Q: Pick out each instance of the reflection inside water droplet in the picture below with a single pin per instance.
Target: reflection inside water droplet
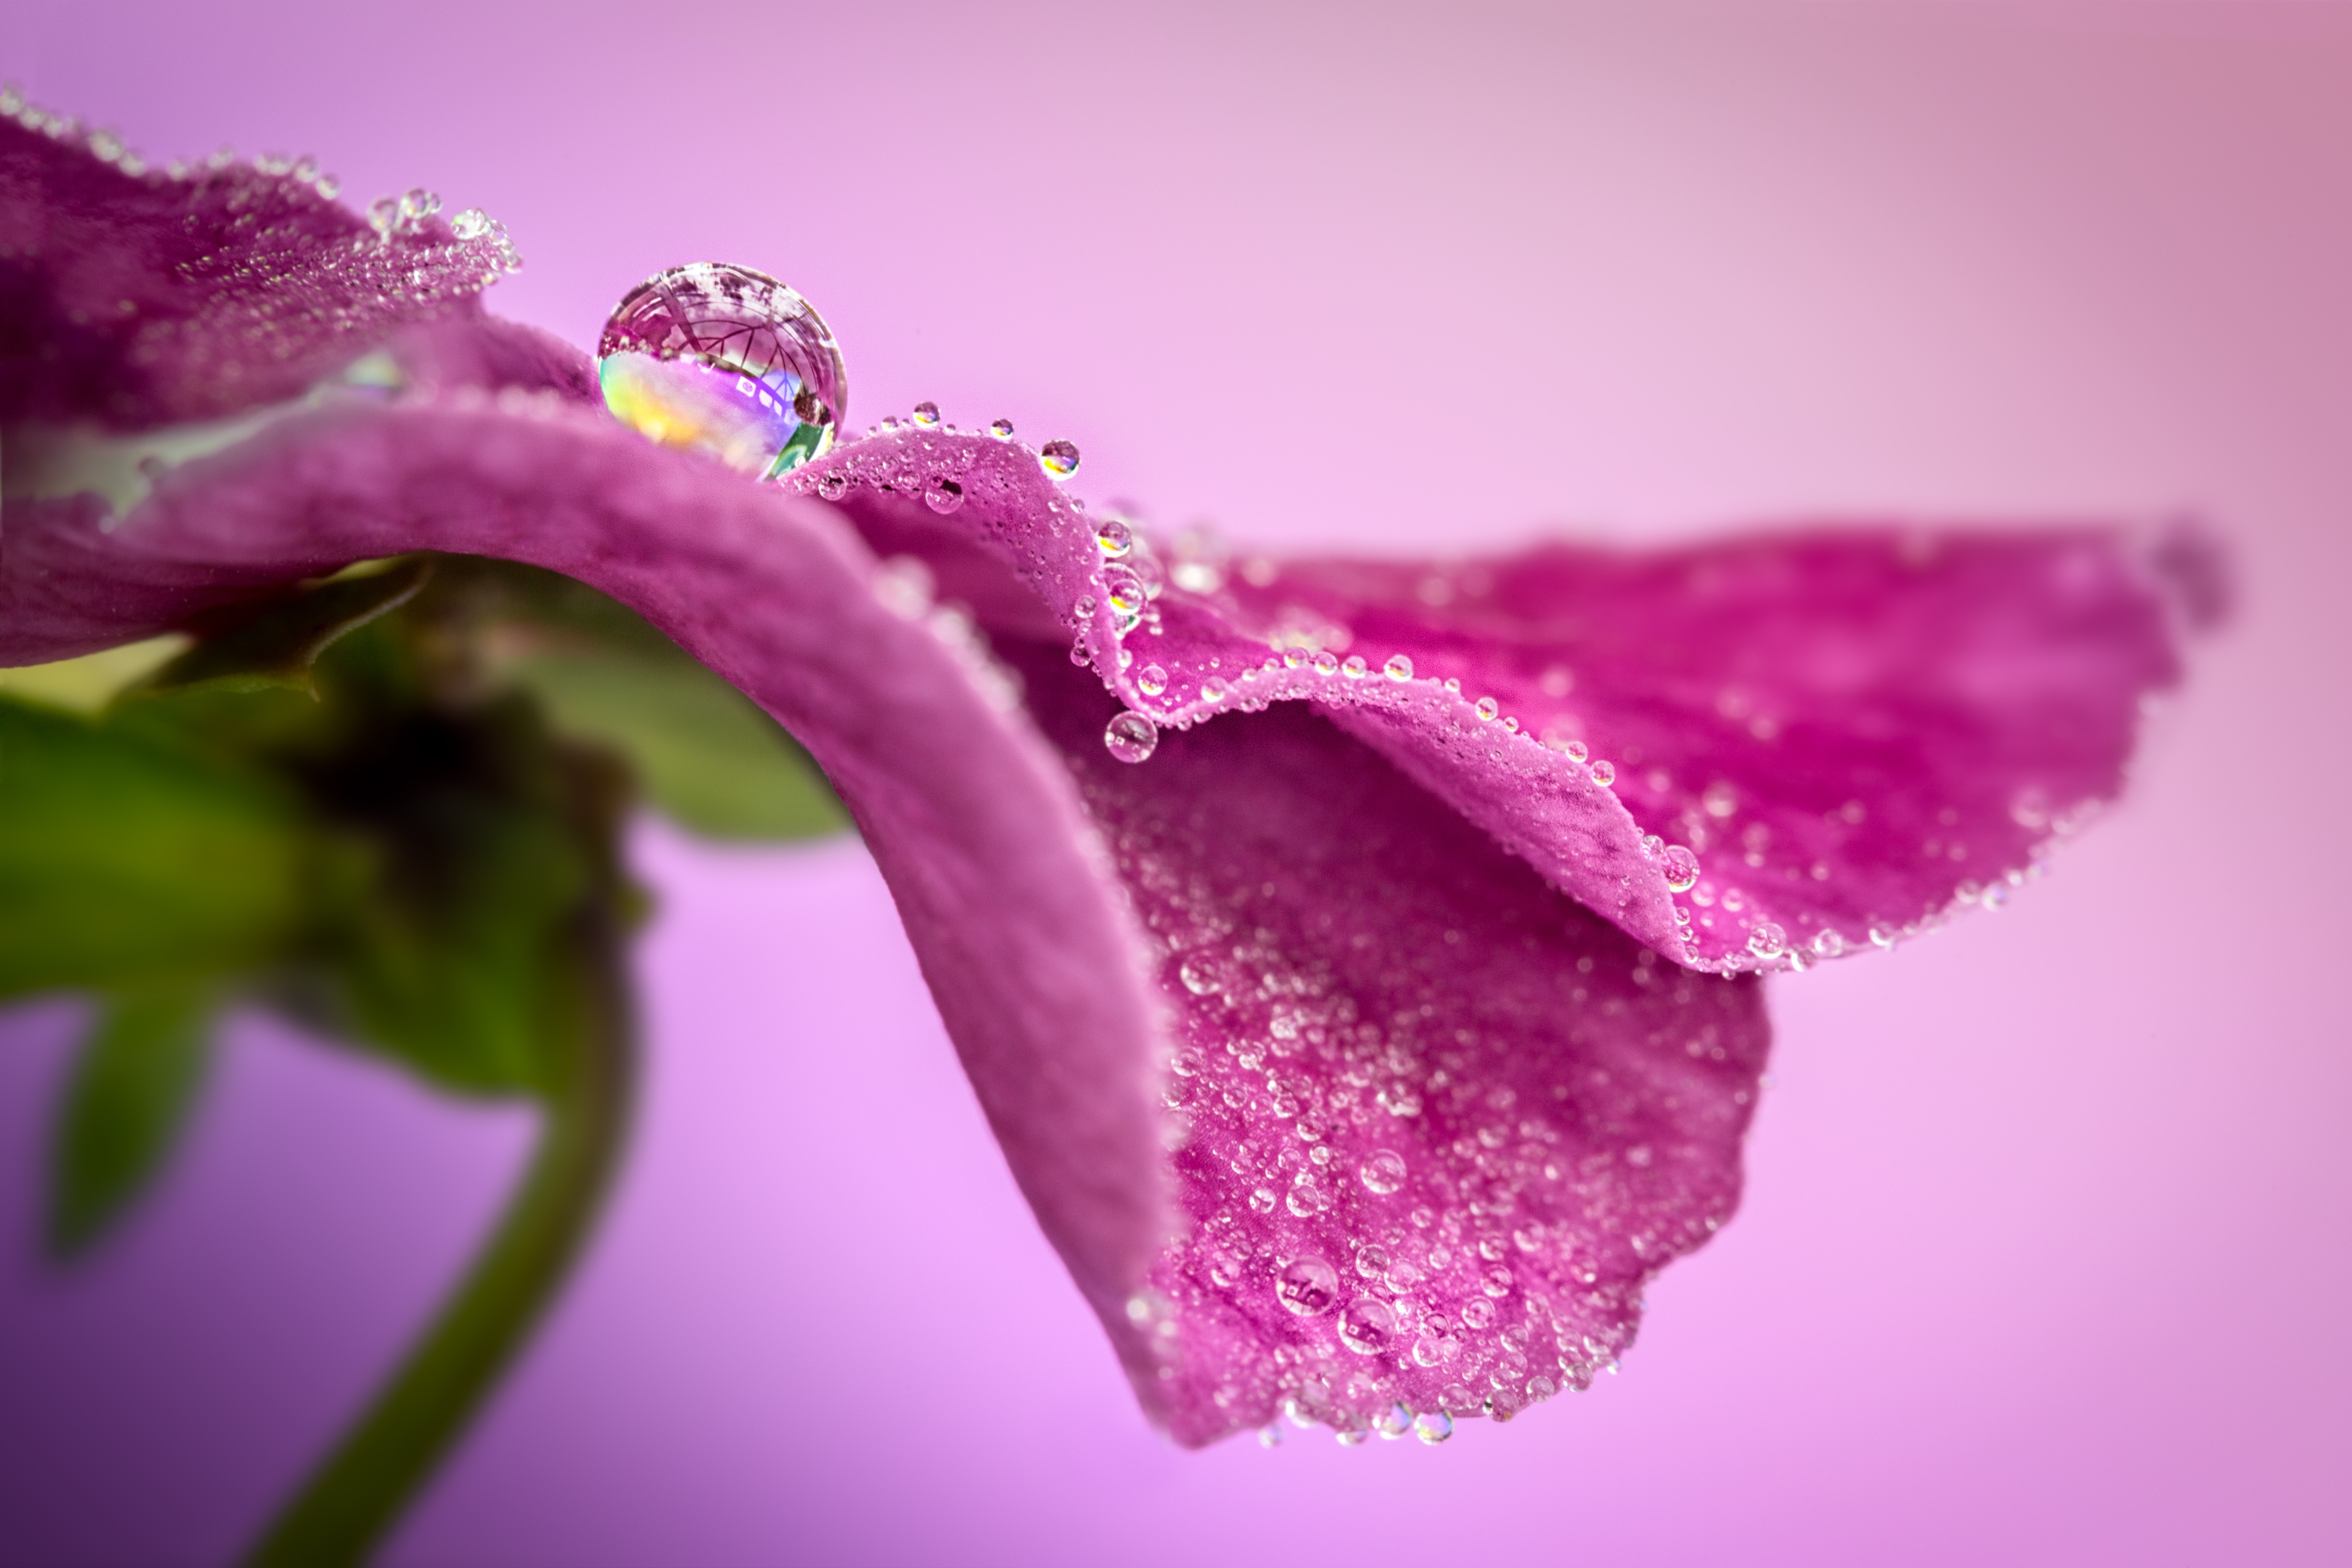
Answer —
(1307, 1285)
(1130, 737)
(1681, 867)
(724, 360)
(1059, 459)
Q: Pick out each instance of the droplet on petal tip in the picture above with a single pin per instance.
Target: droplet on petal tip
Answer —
(1130, 737)
(725, 360)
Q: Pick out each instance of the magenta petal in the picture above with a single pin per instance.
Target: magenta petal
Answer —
(1750, 753)
(1435, 1124)
(131, 297)
(972, 819)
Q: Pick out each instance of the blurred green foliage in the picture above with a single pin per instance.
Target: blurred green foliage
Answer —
(388, 803)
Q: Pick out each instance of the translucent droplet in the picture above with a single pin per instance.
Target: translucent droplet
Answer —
(1262, 1201)
(1767, 940)
(1828, 943)
(1496, 1282)
(1130, 737)
(1398, 667)
(1432, 1426)
(1327, 662)
(1354, 667)
(835, 484)
(1000, 428)
(1604, 773)
(1306, 1286)
(1215, 690)
(1488, 708)
(1307, 1201)
(1372, 1262)
(927, 414)
(1681, 867)
(471, 223)
(1368, 1326)
(1200, 977)
(1151, 681)
(1127, 594)
(1059, 459)
(1114, 537)
(1478, 1313)
(943, 493)
(1383, 1171)
(1270, 1435)
(1575, 751)
(728, 360)
(1394, 1422)
(1882, 935)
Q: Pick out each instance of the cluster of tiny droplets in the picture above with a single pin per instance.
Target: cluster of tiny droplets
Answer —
(284, 278)
(1474, 1292)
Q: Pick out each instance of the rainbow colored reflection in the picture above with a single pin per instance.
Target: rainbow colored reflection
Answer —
(725, 360)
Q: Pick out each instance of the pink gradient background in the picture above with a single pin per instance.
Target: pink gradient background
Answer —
(2044, 1256)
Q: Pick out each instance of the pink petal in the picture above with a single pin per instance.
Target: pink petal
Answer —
(972, 819)
(1850, 733)
(141, 298)
(1415, 1089)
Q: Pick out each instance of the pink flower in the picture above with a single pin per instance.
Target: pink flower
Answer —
(1358, 962)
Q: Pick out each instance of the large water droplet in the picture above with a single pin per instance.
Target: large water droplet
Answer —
(1488, 708)
(1604, 773)
(1394, 1422)
(1368, 1326)
(1309, 1286)
(728, 360)
(927, 414)
(1767, 940)
(1681, 867)
(1432, 1426)
(1399, 667)
(943, 493)
(1127, 594)
(1215, 690)
(1382, 1171)
(1130, 737)
(1114, 537)
(1059, 459)
(1151, 681)
(1000, 428)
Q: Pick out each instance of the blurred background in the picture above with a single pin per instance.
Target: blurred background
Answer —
(2043, 1256)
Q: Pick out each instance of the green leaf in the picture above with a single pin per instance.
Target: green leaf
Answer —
(126, 862)
(88, 684)
(707, 757)
(275, 643)
(128, 1097)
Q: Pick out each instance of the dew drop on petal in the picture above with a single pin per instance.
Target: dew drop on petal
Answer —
(1604, 773)
(1767, 940)
(1382, 1171)
(1368, 1326)
(1059, 459)
(1270, 1435)
(1488, 708)
(1306, 1286)
(1114, 537)
(1354, 667)
(1398, 667)
(927, 414)
(471, 223)
(1394, 1422)
(1262, 1201)
(1215, 690)
(1372, 1262)
(1130, 737)
(1199, 976)
(1000, 428)
(724, 360)
(943, 493)
(1151, 681)
(1681, 867)
(1882, 935)
(1128, 596)
(835, 484)
(1828, 943)
(1327, 662)
(1432, 1426)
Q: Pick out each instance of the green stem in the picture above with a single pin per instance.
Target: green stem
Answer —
(353, 1500)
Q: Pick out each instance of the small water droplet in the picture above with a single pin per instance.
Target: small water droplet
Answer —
(1130, 737)
(1488, 708)
(1114, 537)
(1372, 1261)
(835, 484)
(1354, 667)
(1127, 594)
(1306, 1286)
(1882, 935)
(1327, 662)
(1368, 1326)
(1681, 867)
(1828, 943)
(724, 360)
(1604, 773)
(927, 414)
(1399, 667)
(1383, 1171)
(1215, 690)
(1000, 428)
(943, 493)
(471, 223)
(1151, 681)
(1767, 940)
(1306, 1200)
(1262, 1201)
(1059, 459)
(1200, 977)
(1432, 1426)
(1394, 1422)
